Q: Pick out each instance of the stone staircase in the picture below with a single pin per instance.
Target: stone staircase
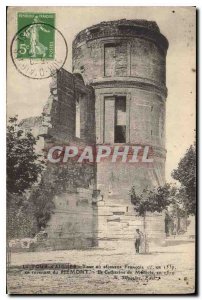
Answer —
(117, 223)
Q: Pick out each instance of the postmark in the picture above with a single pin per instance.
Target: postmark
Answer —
(38, 49)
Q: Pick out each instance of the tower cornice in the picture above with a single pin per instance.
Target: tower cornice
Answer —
(121, 28)
(129, 82)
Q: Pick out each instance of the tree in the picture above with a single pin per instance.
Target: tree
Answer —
(20, 219)
(23, 163)
(186, 175)
(23, 169)
(151, 200)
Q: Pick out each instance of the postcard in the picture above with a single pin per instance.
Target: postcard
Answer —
(101, 150)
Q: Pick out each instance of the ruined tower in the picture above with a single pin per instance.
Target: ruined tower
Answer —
(116, 96)
(125, 62)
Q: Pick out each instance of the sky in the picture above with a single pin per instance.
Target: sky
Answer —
(26, 97)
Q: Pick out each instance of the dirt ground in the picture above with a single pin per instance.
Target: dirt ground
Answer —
(166, 270)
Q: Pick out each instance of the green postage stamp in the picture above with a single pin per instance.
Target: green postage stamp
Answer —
(36, 35)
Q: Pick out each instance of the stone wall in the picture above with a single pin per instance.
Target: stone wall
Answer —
(59, 114)
(118, 222)
(74, 221)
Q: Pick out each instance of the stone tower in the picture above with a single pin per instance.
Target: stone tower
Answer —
(125, 62)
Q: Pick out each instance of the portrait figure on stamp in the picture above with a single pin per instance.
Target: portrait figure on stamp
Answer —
(33, 33)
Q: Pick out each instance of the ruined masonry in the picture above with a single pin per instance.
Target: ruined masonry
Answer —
(115, 96)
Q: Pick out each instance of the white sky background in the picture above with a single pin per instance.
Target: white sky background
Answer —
(26, 97)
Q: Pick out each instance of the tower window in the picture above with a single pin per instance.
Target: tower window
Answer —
(109, 59)
(115, 59)
(115, 119)
(120, 120)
